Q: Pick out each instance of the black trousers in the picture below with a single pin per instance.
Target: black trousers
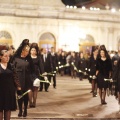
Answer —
(81, 76)
(45, 85)
(24, 100)
(54, 80)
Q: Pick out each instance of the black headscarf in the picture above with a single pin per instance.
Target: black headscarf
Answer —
(20, 48)
(22, 45)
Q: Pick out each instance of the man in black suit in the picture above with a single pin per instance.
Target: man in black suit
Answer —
(54, 64)
(47, 63)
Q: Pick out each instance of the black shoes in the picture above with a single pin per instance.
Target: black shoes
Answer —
(32, 105)
(24, 114)
(20, 114)
(103, 102)
(40, 90)
(80, 79)
(95, 94)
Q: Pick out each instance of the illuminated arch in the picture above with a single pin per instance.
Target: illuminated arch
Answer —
(5, 38)
(87, 43)
(47, 40)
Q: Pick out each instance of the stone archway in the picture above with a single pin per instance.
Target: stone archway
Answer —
(86, 44)
(47, 40)
(5, 38)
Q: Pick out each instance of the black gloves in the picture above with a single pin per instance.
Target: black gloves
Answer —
(19, 92)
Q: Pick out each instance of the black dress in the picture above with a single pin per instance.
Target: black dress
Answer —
(104, 67)
(7, 89)
(38, 66)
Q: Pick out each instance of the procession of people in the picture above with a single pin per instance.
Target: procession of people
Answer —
(29, 69)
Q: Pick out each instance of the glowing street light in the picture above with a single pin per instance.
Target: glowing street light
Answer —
(67, 6)
(83, 8)
(113, 10)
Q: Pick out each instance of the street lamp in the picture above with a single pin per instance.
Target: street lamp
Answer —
(65, 46)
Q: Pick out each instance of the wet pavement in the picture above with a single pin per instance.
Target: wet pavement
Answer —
(71, 100)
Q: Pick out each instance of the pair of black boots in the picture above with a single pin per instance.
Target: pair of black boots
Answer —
(32, 105)
(103, 102)
(22, 113)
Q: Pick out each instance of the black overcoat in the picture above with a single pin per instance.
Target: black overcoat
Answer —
(25, 70)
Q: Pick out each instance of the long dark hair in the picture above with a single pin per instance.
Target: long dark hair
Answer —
(35, 45)
(94, 48)
(102, 47)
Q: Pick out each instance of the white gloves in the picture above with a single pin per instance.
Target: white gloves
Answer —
(36, 82)
(85, 73)
(94, 77)
(46, 79)
(44, 74)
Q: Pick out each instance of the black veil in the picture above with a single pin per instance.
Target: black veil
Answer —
(19, 50)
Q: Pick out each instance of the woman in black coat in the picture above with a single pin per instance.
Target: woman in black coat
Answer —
(92, 70)
(62, 60)
(82, 64)
(73, 64)
(103, 71)
(39, 69)
(9, 83)
(25, 69)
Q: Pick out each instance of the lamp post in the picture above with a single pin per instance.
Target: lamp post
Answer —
(79, 44)
(65, 46)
